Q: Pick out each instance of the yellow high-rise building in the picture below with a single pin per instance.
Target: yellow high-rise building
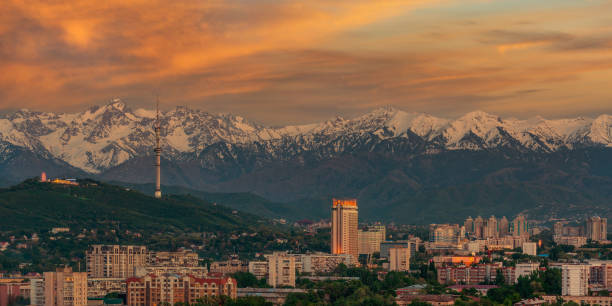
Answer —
(344, 227)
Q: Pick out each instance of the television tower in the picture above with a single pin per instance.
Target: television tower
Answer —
(157, 156)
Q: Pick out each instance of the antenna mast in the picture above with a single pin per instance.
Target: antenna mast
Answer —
(157, 154)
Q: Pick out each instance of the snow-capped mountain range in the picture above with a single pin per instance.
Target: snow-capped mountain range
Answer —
(104, 137)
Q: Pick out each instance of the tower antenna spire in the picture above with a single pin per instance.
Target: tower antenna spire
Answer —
(157, 153)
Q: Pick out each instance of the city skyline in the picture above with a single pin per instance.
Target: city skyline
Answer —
(290, 63)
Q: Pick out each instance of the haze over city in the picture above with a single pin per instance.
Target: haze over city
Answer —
(281, 63)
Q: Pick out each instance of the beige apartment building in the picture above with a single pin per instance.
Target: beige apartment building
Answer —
(399, 259)
(281, 270)
(597, 229)
(369, 239)
(115, 261)
(344, 227)
(65, 288)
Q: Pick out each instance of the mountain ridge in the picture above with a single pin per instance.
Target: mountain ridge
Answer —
(103, 137)
(401, 166)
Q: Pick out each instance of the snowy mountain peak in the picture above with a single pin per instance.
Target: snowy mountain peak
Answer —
(105, 136)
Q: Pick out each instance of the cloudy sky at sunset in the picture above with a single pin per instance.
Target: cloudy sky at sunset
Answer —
(280, 62)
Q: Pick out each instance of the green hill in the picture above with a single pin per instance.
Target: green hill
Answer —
(242, 201)
(37, 206)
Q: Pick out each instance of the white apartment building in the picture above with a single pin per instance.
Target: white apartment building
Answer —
(575, 280)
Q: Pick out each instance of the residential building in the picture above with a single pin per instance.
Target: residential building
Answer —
(504, 226)
(344, 227)
(576, 241)
(446, 234)
(530, 248)
(115, 261)
(491, 229)
(281, 270)
(433, 299)
(276, 296)
(369, 239)
(524, 269)
(600, 273)
(65, 288)
(181, 258)
(575, 280)
(597, 229)
(199, 271)
(37, 292)
(399, 259)
(440, 261)
(174, 288)
(321, 262)
(519, 227)
(259, 269)
(468, 224)
(100, 287)
(580, 300)
(230, 266)
(10, 291)
(386, 245)
(469, 275)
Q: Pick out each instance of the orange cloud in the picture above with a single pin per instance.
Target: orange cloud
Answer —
(318, 56)
(502, 49)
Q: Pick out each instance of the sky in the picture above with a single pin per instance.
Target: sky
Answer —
(288, 62)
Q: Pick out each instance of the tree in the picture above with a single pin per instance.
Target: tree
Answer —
(499, 278)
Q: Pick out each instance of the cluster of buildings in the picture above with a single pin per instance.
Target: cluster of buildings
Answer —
(145, 277)
(348, 239)
(594, 229)
(478, 234)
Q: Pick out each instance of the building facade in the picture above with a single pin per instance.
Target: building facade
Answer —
(65, 288)
(530, 248)
(173, 288)
(115, 261)
(344, 227)
(575, 280)
(597, 229)
(399, 259)
(369, 239)
(230, 266)
(37, 291)
(281, 270)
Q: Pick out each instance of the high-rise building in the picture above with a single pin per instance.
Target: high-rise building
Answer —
(281, 270)
(445, 234)
(37, 292)
(469, 225)
(65, 288)
(491, 229)
(597, 229)
(115, 260)
(171, 289)
(519, 227)
(479, 227)
(370, 238)
(344, 227)
(575, 280)
(503, 227)
(399, 259)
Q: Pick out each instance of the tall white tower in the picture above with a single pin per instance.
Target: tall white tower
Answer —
(157, 156)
